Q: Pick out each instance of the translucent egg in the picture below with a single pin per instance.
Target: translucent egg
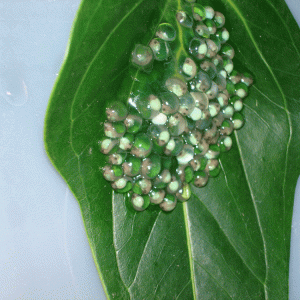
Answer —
(126, 141)
(114, 130)
(174, 146)
(142, 186)
(220, 82)
(226, 127)
(186, 104)
(112, 172)
(157, 196)
(227, 50)
(184, 19)
(161, 180)
(151, 166)
(213, 92)
(132, 166)
(202, 31)
(108, 146)
(122, 185)
(160, 133)
(208, 67)
(133, 123)
(202, 82)
(140, 203)
(184, 193)
(189, 68)
(218, 62)
(142, 57)
(225, 143)
(213, 168)
(166, 32)
(142, 145)
(198, 48)
(116, 111)
(174, 185)
(241, 90)
(185, 173)
(148, 106)
(186, 155)
(222, 99)
(169, 203)
(176, 124)
(235, 77)
(219, 19)
(212, 28)
(200, 179)
(170, 103)
(205, 121)
(116, 158)
(210, 132)
(238, 120)
(228, 111)
(213, 152)
(247, 79)
(160, 49)
(200, 99)
(218, 119)
(214, 108)
(202, 147)
(212, 48)
(193, 137)
(228, 64)
(209, 12)
(222, 35)
(176, 86)
(199, 13)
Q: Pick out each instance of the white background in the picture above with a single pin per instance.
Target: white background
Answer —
(44, 253)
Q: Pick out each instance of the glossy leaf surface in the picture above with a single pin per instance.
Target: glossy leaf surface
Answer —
(232, 239)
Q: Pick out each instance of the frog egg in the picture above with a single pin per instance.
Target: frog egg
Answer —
(159, 133)
(108, 146)
(213, 152)
(241, 90)
(185, 173)
(201, 83)
(212, 28)
(199, 13)
(142, 145)
(200, 99)
(235, 77)
(160, 119)
(202, 31)
(212, 48)
(222, 99)
(176, 86)
(202, 147)
(218, 62)
(174, 146)
(210, 132)
(222, 35)
(228, 64)
(122, 185)
(226, 127)
(228, 111)
(220, 82)
(176, 124)
(142, 57)
(170, 103)
(149, 106)
(139, 202)
(227, 50)
(198, 48)
(247, 79)
(205, 121)
(112, 172)
(132, 166)
(156, 196)
(151, 166)
(186, 104)
(230, 87)
(225, 143)
(189, 68)
(184, 19)
(208, 67)
(219, 19)
(210, 13)
(238, 105)
(218, 119)
(184, 193)
(117, 158)
(214, 108)
(160, 49)
(213, 168)
(169, 203)
(142, 186)
(212, 93)
(198, 163)
(166, 32)
(114, 130)
(186, 155)
(126, 141)
(174, 185)
(161, 180)
(196, 114)
(133, 123)
(238, 120)
(193, 137)
(116, 111)
(200, 179)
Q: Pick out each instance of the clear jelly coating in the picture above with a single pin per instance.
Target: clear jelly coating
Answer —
(165, 144)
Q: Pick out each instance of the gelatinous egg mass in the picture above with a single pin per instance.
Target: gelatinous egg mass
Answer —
(167, 142)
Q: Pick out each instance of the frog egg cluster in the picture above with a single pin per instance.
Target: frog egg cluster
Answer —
(162, 143)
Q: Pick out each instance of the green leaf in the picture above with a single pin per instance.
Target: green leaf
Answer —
(232, 239)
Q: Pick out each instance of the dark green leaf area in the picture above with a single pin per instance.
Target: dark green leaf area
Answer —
(231, 240)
